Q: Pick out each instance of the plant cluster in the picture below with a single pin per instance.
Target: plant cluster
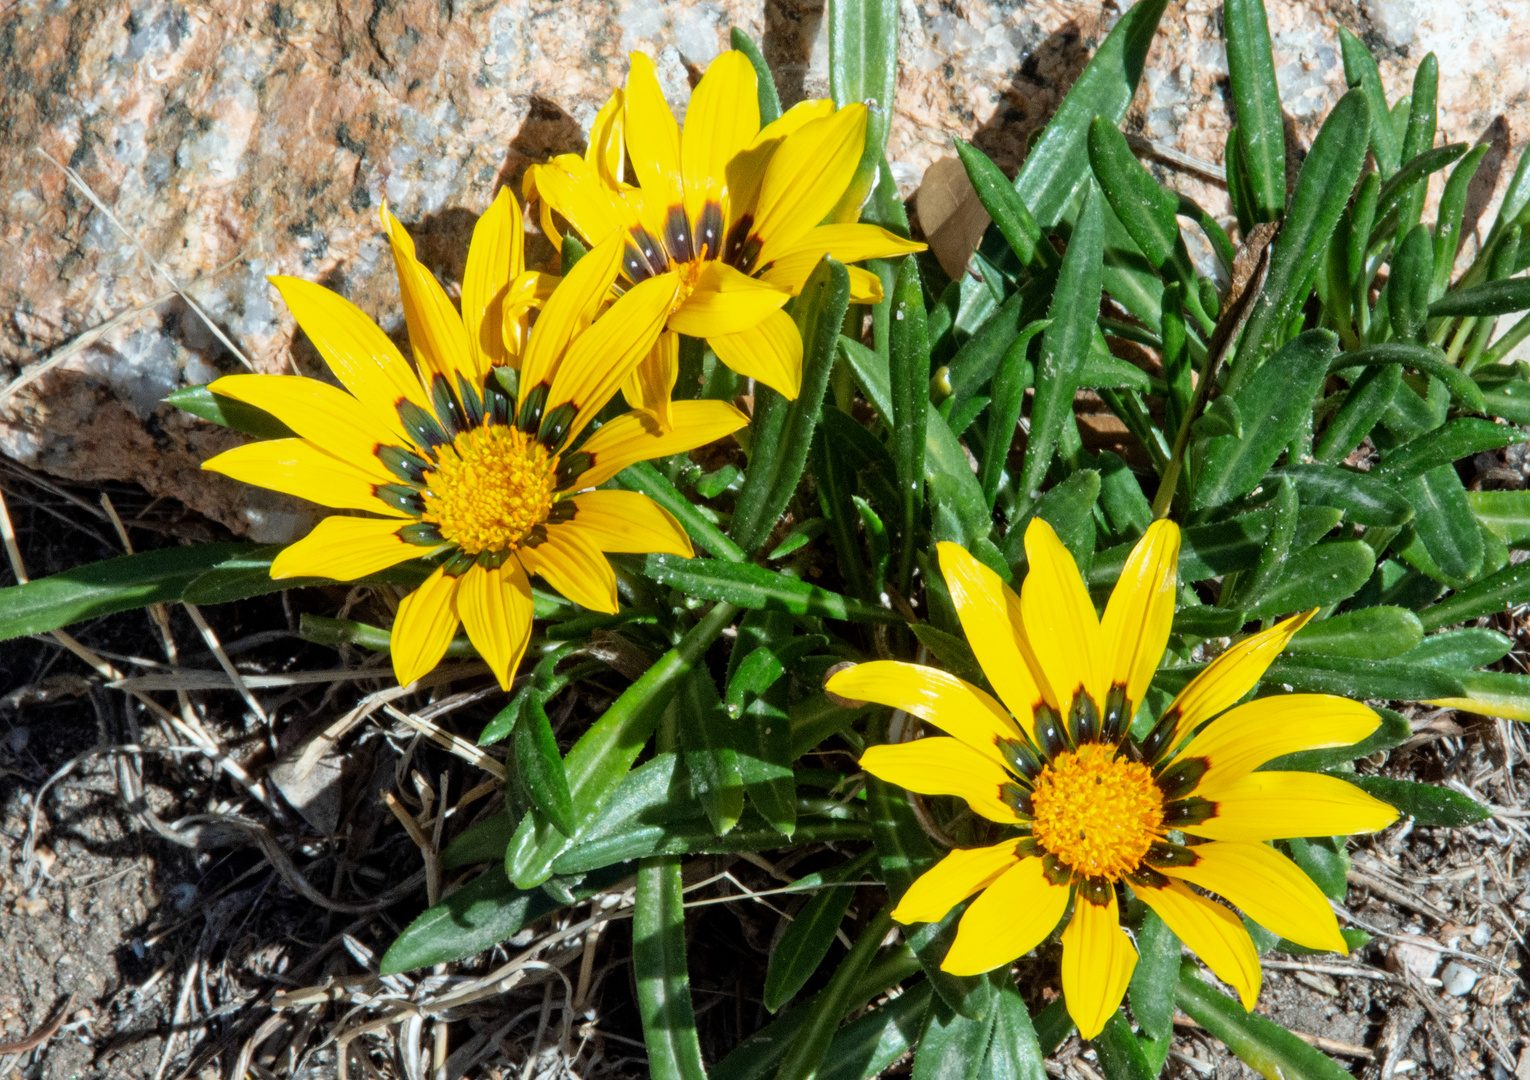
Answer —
(1148, 670)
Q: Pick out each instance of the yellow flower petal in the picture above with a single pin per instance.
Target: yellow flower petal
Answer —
(954, 705)
(495, 608)
(725, 301)
(805, 178)
(865, 287)
(572, 187)
(651, 385)
(569, 561)
(325, 415)
(1242, 739)
(495, 259)
(746, 170)
(634, 437)
(1269, 888)
(960, 874)
(1010, 918)
(770, 352)
(608, 146)
(436, 335)
(345, 548)
(1060, 625)
(1230, 676)
(299, 468)
(424, 626)
(1213, 933)
(985, 606)
(569, 311)
(790, 266)
(722, 118)
(602, 357)
(1135, 629)
(653, 136)
(790, 274)
(1283, 805)
(1097, 963)
(362, 357)
(629, 521)
(943, 766)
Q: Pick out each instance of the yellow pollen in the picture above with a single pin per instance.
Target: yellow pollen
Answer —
(1097, 814)
(491, 487)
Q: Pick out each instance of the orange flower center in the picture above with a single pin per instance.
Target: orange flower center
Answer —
(490, 488)
(1095, 813)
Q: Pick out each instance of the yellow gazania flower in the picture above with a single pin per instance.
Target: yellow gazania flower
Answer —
(1091, 806)
(451, 461)
(730, 212)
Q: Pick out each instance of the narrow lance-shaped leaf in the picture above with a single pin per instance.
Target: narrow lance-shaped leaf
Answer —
(1144, 208)
(658, 967)
(1422, 121)
(950, 1043)
(1409, 285)
(1360, 71)
(1261, 134)
(909, 377)
(1015, 375)
(1322, 191)
(1065, 343)
(706, 737)
(765, 83)
(807, 940)
(809, 1048)
(863, 66)
(539, 766)
(1003, 204)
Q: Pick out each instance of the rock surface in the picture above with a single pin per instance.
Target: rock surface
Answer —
(239, 138)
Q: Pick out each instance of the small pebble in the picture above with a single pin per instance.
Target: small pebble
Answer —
(1458, 978)
(1415, 954)
(1482, 933)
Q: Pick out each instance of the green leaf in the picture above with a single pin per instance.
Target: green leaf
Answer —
(650, 481)
(1444, 529)
(758, 697)
(868, 1045)
(1394, 731)
(1462, 650)
(836, 482)
(1447, 230)
(606, 751)
(1498, 592)
(1220, 418)
(1144, 208)
(1246, 591)
(658, 968)
(1152, 985)
(1003, 204)
(232, 414)
(1121, 1056)
(800, 534)
(951, 1043)
(1015, 376)
(861, 450)
(1505, 513)
(540, 767)
(1384, 680)
(1275, 403)
(1360, 71)
(1014, 1052)
(782, 431)
(1058, 165)
(1068, 508)
(1065, 342)
(1373, 633)
(1399, 186)
(1463, 437)
(1366, 499)
(1419, 137)
(1489, 298)
(1323, 574)
(1408, 286)
(1323, 187)
(1423, 358)
(804, 945)
(909, 384)
(746, 585)
(1324, 861)
(1266, 1047)
(808, 1050)
(482, 842)
(953, 653)
(863, 66)
(1427, 804)
(1256, 98)
(770, 104)
(706, 736)
(1126, 508)
(480, 915)
(113, 585)
(1494, 693)
(1368, 399)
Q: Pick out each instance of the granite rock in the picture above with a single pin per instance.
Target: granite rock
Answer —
(239, 138)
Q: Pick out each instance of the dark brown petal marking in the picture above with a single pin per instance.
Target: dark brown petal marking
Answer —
(407, 466)
(738, 236)
(1022, 758)
(1145, 877)
(1162, 853)
(460, 563)
(448, 410)
(653, 253)
(536, 537)
(1096, 890)
(1083, 718)
(555, 426)
(709, 231)
(1058, 873)
(420, 424)
(1050, 738)
(472, 404)
(635, 265)
(422, 534)
(1117, 720)
(748, 255)
(493, 560)
(531, 408)
(1180, 779)
(498, 403)
(677, 235)
(1188, 812)
(400, 497)
(1156, 745)
(571, 468)
(1016, 798)
(562, 511)
(1026, 846)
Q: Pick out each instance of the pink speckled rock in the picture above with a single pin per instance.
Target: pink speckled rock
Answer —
(237, 139)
